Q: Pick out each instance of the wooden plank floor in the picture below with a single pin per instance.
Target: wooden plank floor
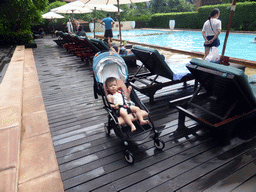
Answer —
(91, 161)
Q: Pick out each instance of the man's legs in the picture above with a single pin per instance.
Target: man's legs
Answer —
(109, 41)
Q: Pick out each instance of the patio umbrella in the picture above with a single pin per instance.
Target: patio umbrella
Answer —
(71, 10)
(101, 7)
(116, 2)
(224, 60)
(52, 15)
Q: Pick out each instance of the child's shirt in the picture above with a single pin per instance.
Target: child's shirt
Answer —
(118, 98)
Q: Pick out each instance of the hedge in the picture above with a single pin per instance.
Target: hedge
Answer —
(15, 38)
(182, 20)
(243, 18)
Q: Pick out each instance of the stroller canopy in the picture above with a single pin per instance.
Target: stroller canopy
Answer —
(109, 64)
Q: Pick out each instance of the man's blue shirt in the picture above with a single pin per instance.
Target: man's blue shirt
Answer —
(107, 22)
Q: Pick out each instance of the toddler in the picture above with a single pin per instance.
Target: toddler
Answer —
(118, 102)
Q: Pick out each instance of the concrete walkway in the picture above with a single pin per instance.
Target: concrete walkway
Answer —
(28, 161)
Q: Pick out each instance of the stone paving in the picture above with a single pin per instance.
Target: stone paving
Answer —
(28, 161)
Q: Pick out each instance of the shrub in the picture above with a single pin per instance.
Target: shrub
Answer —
(144, 18)
(243, 18)
(15, 38)
(182, 20)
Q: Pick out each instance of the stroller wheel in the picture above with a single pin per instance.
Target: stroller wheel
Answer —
(159, 144)
(107, 129)
(129, 157)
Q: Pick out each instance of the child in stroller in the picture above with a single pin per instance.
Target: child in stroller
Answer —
(122, 104)
(109, 64)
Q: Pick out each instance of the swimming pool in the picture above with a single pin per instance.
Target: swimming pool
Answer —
(129, 33)
(238, 45)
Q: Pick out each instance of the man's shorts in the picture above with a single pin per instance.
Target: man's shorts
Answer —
(108, 33)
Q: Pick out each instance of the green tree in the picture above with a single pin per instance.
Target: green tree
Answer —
(135, 12)
(238, 1)
(167, 6)
(18, 15)
(54, 5)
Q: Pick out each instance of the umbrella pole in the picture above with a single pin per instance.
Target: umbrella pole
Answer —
(224, 60)
(53, 25)
(120, 35)
(94, 21)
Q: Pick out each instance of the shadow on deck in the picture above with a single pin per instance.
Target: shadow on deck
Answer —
(91, 161)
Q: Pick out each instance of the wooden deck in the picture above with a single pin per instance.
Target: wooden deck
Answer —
(89, 160)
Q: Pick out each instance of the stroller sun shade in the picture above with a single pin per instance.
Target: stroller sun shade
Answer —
(109, 64)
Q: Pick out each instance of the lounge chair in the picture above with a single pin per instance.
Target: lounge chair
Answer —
(62, 38)
(73, 42)
(82, 44)
(147, 83)
(130, 59)
(88, 51)
(70, 41)
(226, 102)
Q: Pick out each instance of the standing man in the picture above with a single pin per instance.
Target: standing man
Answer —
(108, 22)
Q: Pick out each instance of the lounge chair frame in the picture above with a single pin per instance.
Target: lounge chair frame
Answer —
(130, 59)
(151, 85)
(62, 39)
(231, 104)
(85, 48)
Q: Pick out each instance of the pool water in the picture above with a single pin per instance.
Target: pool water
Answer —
(129, 33)
(238, 45)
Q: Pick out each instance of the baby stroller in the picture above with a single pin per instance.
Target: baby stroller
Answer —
(109, 64)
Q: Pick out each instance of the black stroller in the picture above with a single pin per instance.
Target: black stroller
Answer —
(109, 64)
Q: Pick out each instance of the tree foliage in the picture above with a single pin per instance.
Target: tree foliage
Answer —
(17, 15)
(168, 6)
(54, 5)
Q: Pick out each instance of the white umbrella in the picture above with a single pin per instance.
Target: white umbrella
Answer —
(111, 2)
(52, 15)
(101, 7)
(71, 9)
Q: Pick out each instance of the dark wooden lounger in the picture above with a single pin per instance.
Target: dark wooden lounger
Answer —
(86, 48)
(157, 67)
(80, 46)
(227, 102)
(87, 52)
(129, 59)
(62, 38)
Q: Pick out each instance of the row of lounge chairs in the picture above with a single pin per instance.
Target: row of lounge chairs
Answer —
(224, 100)
(86, 48)
(147, 83)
